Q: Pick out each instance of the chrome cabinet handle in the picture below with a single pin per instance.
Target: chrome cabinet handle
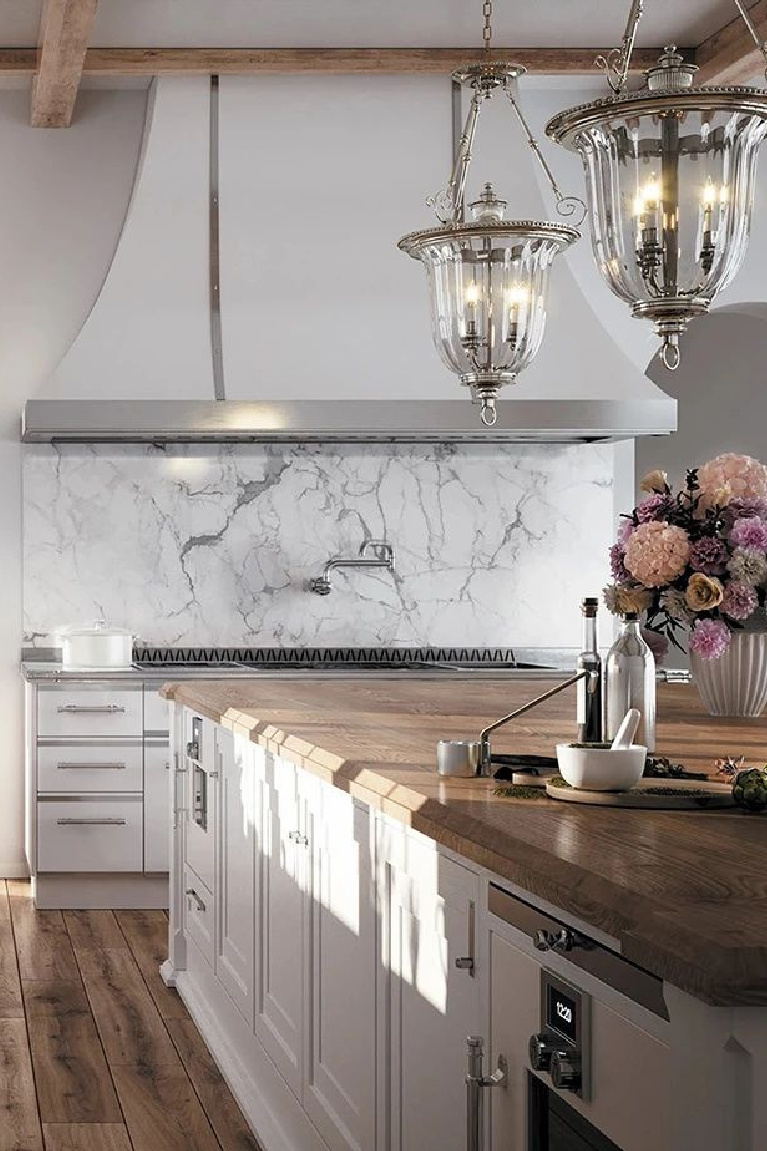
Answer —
(70, 821)
(192, 894)
(80, 709)
(476, 1082)
(90, 766)
(561, 941)
(467, 962)
(298, 838)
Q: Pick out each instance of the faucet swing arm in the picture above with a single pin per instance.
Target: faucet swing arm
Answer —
(484, 735)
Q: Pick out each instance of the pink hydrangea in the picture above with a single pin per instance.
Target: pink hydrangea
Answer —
(709, 555)
(657, 553)
(710, 638)
(743, 477)
(750, 533)
(652, 508)
(740, 601)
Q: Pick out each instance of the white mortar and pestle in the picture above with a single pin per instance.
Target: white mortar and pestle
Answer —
(605, 767)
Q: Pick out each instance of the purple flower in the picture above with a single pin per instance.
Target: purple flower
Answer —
(654, 507)
(740, 509)
(750, 533)
(710, 638)
(626, 531)
(740, 601)
(617, 567)
(709, 556)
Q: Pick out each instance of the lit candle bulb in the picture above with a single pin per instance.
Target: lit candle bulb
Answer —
(472, 296)
(516, 296)
(710, 196)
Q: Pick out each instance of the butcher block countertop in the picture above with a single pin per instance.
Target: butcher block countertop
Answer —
(684, 893)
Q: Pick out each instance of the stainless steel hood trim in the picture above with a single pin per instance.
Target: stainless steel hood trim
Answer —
(343, 421)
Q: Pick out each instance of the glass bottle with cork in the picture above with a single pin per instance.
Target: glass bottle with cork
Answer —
(590, 690)
(630, 682)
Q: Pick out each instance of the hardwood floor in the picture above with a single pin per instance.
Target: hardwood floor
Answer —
(96, 1053)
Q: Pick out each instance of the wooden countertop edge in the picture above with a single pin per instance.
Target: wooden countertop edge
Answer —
(677, 964)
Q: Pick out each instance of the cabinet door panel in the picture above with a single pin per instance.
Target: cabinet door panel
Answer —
(340, 1080)
(434, 1004)
(156, 806)
(280, 930)
(236, 847)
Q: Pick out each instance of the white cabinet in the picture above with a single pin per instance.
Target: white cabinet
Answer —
(433, 1003)
(339, 1078)
(283, 875)
(240, 765)
(156, 805)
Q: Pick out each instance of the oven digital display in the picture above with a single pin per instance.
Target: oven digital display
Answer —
(562, 1014)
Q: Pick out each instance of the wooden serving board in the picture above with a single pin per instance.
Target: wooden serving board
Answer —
(671, 794)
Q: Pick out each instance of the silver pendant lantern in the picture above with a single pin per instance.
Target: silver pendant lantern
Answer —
(670, 172)
(488, 276)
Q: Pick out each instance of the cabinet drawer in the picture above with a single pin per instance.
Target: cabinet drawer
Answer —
(198, 913)
(101, 710)
(80, 767)
(90, 833)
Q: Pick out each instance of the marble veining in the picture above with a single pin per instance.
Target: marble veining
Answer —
(215, 544)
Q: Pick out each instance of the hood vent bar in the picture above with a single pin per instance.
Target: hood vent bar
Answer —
(341, 421)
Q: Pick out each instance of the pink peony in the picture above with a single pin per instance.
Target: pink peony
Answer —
(740, 601)
(742, 477)
(709, 556)
(750, 533)
(710, 638)
(652, 508)
(657, 553)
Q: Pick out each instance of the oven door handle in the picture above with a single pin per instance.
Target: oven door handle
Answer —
(476, 1083)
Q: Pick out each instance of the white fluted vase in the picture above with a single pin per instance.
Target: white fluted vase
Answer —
(736, 683)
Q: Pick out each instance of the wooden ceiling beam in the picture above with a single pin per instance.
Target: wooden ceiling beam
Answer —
(730, 56)
(65, 27)
(244, 61)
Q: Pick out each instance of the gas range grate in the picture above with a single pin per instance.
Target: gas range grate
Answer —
(365, 657)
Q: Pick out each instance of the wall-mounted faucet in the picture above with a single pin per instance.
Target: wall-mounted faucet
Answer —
(372, 554)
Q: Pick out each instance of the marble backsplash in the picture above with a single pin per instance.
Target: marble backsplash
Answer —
(214, 545)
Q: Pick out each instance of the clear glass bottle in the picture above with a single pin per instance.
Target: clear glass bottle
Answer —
(630, 682)
(590, 690)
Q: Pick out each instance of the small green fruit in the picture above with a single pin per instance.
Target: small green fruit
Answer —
(750, 789)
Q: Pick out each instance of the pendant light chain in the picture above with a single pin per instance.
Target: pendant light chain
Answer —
(747, 20)
(487, 29)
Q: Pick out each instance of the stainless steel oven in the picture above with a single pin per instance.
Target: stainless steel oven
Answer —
(578, 1056)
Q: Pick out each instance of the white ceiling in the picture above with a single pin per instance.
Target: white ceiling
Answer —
(361, 23)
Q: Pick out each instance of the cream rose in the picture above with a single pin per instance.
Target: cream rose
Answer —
(656, 481)
(703, 592)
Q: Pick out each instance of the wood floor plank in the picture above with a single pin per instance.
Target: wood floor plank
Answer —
(93, 929)
(44, 997)
(146, 933)
(71, 1075)
(129, 1024)
(11, 1004)
(86, 1137)
(224, 1115)
(19, 1122)
(162, 1110)
(42, 943)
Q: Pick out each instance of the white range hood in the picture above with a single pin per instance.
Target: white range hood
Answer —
(237, 309)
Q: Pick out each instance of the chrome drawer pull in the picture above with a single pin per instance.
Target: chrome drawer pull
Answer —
(106, 822)
(90, 766)
(192, 894)
(80, 709)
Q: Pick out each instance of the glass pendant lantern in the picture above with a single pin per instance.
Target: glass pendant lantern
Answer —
(670, 173)
(488, 276)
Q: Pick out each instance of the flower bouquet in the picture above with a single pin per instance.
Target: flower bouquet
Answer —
(695, 561)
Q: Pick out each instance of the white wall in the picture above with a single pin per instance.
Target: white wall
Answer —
(63, 197)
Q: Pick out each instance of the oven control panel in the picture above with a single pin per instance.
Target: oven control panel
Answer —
(561, 1048)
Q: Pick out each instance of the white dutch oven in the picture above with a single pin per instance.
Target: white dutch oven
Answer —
(96, 647)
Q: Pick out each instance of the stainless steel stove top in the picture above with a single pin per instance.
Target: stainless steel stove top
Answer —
(338, 660)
